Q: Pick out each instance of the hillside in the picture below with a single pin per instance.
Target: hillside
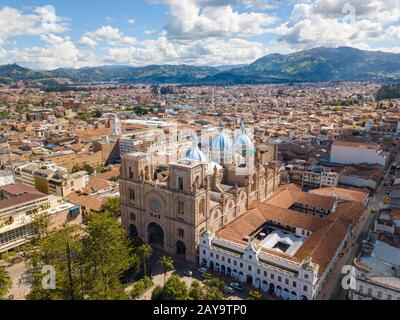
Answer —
(315, 65)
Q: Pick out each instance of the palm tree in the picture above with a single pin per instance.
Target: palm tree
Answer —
(5, 282)
(145, 251)
(166, 263)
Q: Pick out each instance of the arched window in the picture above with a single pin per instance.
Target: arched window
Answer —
(201, 208)
(147, 173)
(181, 207)
(197, 182)
(180, 183)
(132, 195)
(254, 185)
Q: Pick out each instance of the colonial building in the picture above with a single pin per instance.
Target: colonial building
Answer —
(280, 249)
(171, 205)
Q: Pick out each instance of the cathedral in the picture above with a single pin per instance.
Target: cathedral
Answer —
(170, 205)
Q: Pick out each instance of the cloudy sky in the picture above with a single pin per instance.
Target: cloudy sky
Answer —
(75, 33)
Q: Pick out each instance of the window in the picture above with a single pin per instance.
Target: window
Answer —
(306, 276)
(235, 263)
(361, 289)
(180, 183)
(380, 294)
(217, 257)
(258, 271)
(389, 297)
(229, 260)
(265, 274)
(249, 268)
(211, 255)
(287, 281)
(241, 265)
(181, 207)
(133, 217)
(181, 233)
(130, 173)
(250, 257)
(294, 284)
(272, 276)
(204, 252)
(201, 208)
(279, 279)
(369, 292)
(223, 259)
(305, 288)
(132, 194)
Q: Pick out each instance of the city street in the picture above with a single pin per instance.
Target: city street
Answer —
(20, 281)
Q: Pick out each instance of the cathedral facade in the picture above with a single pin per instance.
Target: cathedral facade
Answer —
(170, 205)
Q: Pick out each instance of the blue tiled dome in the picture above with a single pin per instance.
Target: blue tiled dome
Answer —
(242, 141)
(221, 142)
(196, 154)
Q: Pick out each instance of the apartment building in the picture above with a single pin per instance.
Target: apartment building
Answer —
(18, 204)
(377, 272)
(345, 152)
(50, 178)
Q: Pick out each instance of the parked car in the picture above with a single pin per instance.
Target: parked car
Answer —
(230, 290)
(189, 273)
(256, 294)
(236, 286)
(203, 270)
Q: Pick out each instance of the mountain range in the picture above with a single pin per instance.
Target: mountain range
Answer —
(314, 65)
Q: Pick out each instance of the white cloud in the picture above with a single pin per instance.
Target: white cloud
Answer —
(109, 34)
(43, 20)
(195, 19)
(88, 42)
(131, 21)
(57, 53)
(337, 22)
(200, 52)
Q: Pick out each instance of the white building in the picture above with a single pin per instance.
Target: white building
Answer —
(281, 251)
(343, 152)
(377, 275)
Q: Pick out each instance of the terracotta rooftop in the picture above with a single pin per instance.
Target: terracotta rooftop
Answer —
(288, 195)
(346, 194)
(326, 233)
(350, 144)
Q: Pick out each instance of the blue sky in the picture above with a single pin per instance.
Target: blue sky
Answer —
(58, 33)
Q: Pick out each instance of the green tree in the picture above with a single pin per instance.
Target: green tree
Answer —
(166, 263)
(84, 116)
(5, 282)
(196, 291)
(41, 222)
(88, 168)
(62, 250)
(96, 114)
(113, 206)
(108, 255)
(175, 289)
(145, 251)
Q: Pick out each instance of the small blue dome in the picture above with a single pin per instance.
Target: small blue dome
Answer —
(196, 154)
(243, 141)
(221, 142)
